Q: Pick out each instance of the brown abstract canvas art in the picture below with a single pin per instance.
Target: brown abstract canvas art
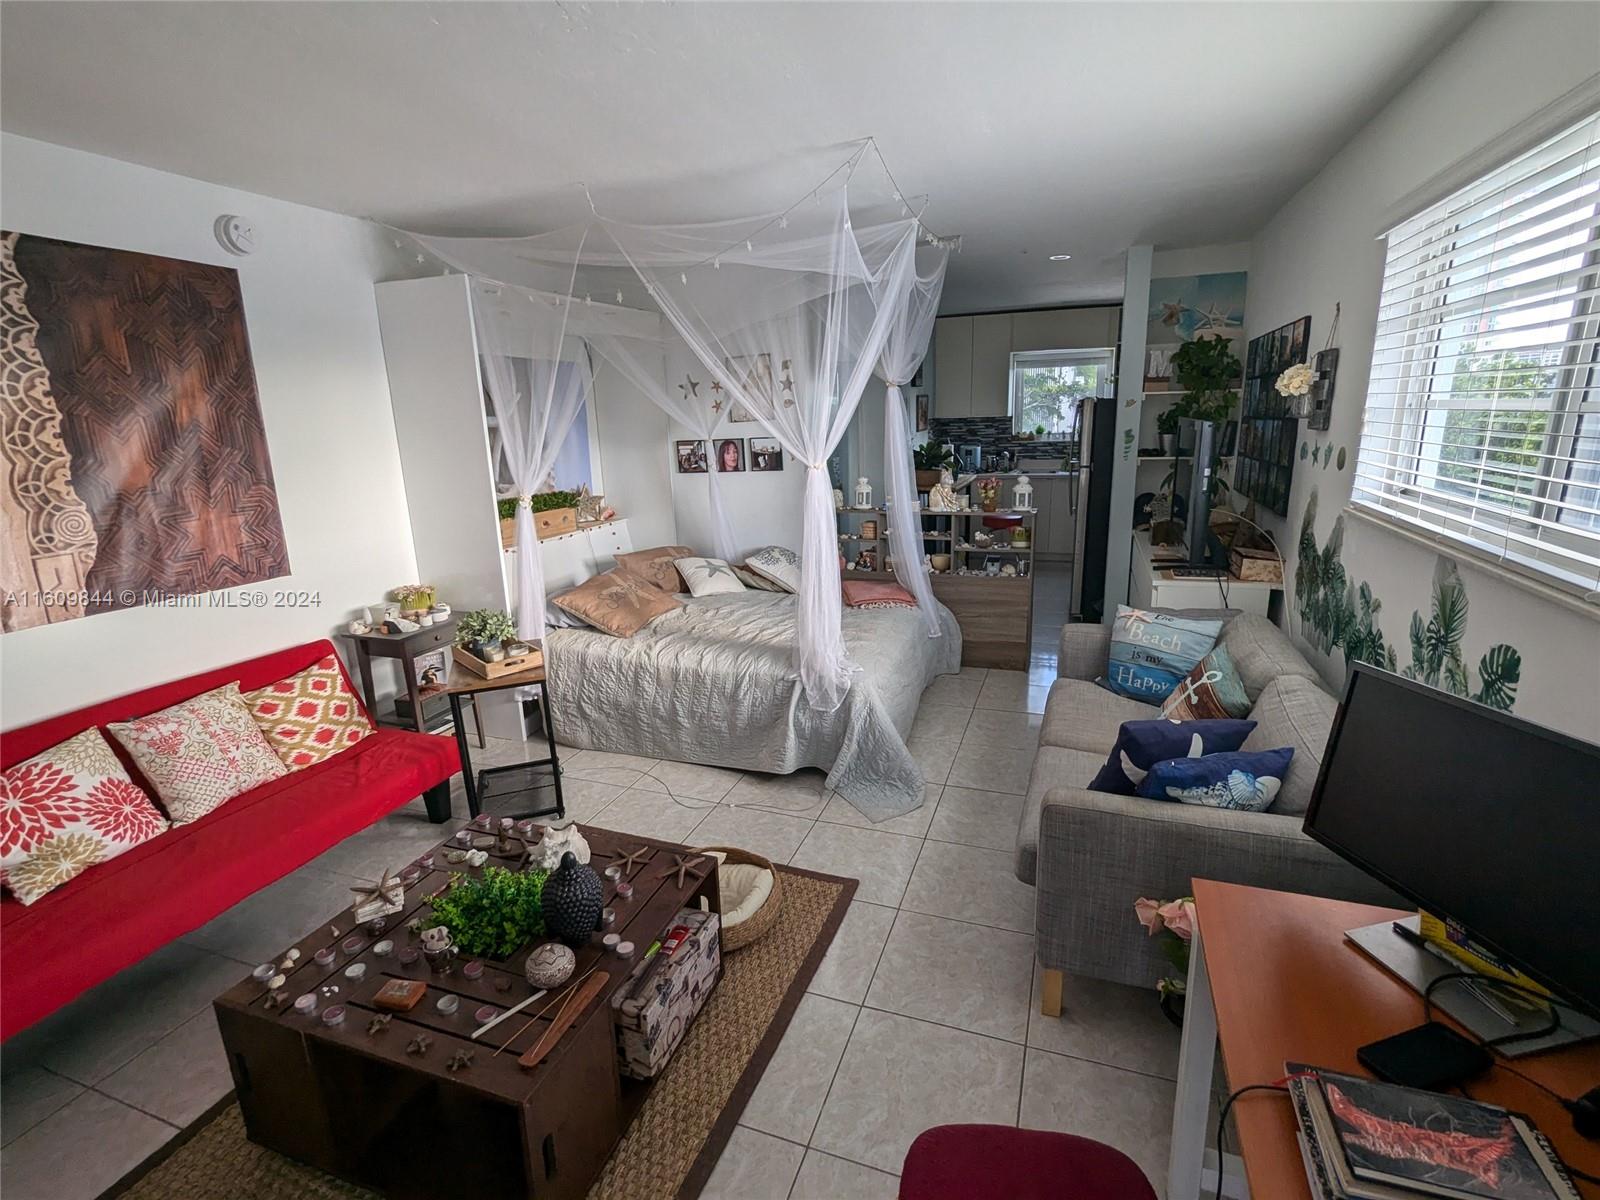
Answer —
(133, 460)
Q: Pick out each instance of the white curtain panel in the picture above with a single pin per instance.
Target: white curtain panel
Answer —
(538, 381)
(903, 351)
(787, 314)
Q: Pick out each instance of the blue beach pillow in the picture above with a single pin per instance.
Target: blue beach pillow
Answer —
(1152, 652)
(1243, 780)
(1140, 745)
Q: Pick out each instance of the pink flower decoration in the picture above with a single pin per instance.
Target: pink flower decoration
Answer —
(1149, 913)
(1178, 915)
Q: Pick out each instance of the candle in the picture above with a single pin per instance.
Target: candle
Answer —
(325, 956)
(485, 1012)
(613, 872)
(624, 890)
(356, 971)
(264, 972)
(447, 1005)
(608, 917)
(354, 944)
(383, 949)
(624, 949)
(333, 1014)
(376, 926)
(306, 1005)
(610, 940)
(473, 970)
(409, 956)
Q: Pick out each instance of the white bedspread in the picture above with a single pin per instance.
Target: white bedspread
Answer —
(714, 682)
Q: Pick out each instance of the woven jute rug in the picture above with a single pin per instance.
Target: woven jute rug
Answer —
(673, 1143)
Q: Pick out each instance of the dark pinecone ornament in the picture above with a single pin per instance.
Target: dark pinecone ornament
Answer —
(571, 902)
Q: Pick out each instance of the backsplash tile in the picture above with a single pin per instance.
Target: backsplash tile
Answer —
(994, 434)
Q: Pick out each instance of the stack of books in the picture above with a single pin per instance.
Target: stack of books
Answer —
(1364, 1140)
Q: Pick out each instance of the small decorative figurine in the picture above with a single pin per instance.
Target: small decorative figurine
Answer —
(419, 1044)
(437, 949)
(838, 497)
(276, 1000)
(461, 1060)
(476, 858)
(380, 899)
(572, 901)
(379, 1024)
(1022, 493)
(502, 837)
(942, 496)
(359, 628)
(550, 965)
(863, 493)
(561, 838)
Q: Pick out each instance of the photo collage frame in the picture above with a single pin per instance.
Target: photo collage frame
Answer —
(1264, 468)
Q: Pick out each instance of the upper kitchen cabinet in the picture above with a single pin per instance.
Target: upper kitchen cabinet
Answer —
(952, 356)
(991, 365)
(1064, 328)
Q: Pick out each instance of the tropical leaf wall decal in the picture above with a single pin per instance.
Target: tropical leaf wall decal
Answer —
(1339, 615)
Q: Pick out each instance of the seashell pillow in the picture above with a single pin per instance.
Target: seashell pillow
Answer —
(777, 564)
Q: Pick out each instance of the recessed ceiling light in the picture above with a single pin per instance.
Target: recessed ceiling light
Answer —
(1059, 257)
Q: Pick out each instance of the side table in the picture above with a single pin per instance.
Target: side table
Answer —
(482, 785)
(405, 648)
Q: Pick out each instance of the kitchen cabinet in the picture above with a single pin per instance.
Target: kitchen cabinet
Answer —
(1043, 487)
(991, 365)
(952, 354)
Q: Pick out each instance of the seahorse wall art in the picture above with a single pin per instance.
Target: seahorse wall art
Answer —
(1343, 616)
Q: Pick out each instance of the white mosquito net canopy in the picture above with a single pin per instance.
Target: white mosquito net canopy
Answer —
(790, 314)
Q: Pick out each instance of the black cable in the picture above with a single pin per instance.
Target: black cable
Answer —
(1222, 1120)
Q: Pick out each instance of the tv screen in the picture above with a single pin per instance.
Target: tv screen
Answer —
(1474, 815)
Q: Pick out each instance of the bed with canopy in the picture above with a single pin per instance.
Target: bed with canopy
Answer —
(791, 313)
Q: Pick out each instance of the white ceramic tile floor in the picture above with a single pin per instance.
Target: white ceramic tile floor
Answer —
(923, 1011)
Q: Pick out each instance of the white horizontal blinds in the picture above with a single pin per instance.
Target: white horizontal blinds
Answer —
(1482, 418)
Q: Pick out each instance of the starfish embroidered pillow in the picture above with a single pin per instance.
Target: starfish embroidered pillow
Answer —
(618, 602)
(201, 753)
(1140, 745)
(65, 810)
(1247, 781)
(708, 576)
(309, 717)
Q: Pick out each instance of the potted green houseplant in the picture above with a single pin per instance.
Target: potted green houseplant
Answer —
(1206, 369)
(507, 506)
(483, 632)
(554, 512)
(1167, 430)
(931, 458)
(414, 598)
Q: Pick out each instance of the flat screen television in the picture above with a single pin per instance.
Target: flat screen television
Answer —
(1191, 479)
(1474, 815)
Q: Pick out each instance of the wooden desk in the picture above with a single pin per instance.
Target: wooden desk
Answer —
(1272, 977)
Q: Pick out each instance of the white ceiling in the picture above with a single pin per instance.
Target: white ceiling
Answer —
(1036, 128)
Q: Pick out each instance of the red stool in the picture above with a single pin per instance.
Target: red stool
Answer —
(997, 1162)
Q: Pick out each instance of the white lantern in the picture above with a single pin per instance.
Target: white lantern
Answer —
(863, 493)
(1022, 493)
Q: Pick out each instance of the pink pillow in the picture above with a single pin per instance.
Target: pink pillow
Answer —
(868, 593)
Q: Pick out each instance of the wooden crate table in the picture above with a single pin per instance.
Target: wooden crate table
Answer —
(389, 1105)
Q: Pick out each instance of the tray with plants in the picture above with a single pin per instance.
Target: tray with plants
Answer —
(487, 645)
(554, 513)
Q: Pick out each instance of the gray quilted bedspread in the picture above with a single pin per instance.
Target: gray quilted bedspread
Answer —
(714, 682)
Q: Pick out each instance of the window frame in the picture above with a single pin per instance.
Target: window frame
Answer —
(1102, 356)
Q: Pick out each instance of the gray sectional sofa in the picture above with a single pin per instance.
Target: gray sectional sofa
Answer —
(1091, 854)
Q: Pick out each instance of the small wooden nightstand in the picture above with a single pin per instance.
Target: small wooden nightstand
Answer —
(405, 648)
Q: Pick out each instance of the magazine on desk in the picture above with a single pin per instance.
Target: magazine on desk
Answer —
(1365, 1140)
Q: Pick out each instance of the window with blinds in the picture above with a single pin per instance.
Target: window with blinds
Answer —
(1482, 421)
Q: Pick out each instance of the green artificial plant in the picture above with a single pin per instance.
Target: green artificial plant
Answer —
(1167, 420)
(932, 456)
(1206, 369)
(508, 507)
(486, 625)
(492, 916)
(545, 501)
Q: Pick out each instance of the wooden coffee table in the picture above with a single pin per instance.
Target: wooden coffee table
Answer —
(391, 1105)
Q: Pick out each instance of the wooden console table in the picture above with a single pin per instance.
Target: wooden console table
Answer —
(1272, 977)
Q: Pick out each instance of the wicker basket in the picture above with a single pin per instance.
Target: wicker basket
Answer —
(735, 937)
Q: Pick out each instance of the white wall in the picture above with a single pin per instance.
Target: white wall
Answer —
(313, 330)
(635, 461)
(1322, 249)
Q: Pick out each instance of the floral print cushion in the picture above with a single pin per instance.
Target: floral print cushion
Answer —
(309, 717)
(618, 602)
(780, 565)
(201, 753)
(65, 810)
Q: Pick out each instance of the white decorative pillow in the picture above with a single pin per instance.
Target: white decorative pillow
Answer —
(708, 576)
(759, 583)
(66, 809)
(778, 564)
(201, 753)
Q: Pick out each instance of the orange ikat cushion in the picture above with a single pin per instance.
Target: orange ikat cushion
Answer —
(309, 717)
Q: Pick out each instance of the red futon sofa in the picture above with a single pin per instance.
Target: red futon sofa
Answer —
(116, 913)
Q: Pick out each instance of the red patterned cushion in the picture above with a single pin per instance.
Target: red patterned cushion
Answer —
(65, 810)
(200, 753)
(869, 593)
(309, 717)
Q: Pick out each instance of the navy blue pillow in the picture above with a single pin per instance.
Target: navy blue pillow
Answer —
(1244, 780)
(1140, 745)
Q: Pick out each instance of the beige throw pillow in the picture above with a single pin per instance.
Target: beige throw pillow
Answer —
(708, 576)
(657, 567)
(618, 602)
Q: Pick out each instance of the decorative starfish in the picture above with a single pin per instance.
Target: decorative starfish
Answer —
(684, 865)
(378, 892)
(716, 406)
(378, 1024)
(716, 386)
(419, 1044)
(690, 387)
(276, 1000)
(634, 858)
(460, 1062)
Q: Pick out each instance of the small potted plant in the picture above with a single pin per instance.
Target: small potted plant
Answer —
(414, 599)
(483, 633)
(931, 459)
(1172, 925)
(507, 506)
(988, 494)
(1167, 430)
(1205, 369)
(554, 513)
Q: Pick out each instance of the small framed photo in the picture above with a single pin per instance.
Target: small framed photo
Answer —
(916, 380)
(691, 458)
(765, 454)
(433, 669)
(922, 411)
(730, 455)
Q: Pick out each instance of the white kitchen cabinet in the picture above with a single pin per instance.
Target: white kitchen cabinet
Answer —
(1043, 488)
(952, 356)
(991, 365)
